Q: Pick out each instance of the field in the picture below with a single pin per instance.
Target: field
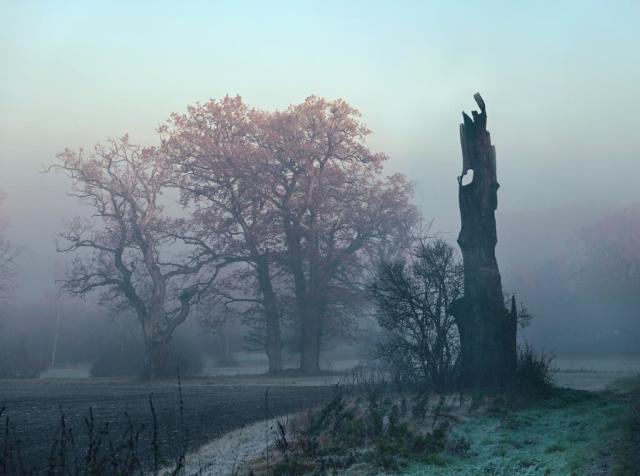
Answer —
(210, 409)
(216, 406)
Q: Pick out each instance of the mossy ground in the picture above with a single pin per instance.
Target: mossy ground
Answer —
(573, 432)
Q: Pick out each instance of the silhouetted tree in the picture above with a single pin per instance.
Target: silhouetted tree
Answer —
(412, 299)
(487, 329)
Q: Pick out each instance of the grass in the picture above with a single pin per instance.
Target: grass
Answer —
(625, 385)
(376, 429)
(377, 432)
(570, 433)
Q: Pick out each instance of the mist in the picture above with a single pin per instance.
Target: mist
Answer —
(561, 83)
(562, 90)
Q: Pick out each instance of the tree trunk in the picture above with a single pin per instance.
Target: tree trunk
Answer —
(487, 329)
(272, 316)
(155, 359)
(311, 329)
(308, 312)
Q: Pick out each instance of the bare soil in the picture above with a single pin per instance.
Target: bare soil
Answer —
(210, 409)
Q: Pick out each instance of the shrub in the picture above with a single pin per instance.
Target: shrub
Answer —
(421, 343)
(533, 372)
(374, 429)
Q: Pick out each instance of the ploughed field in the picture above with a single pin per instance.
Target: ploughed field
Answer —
(210, 409)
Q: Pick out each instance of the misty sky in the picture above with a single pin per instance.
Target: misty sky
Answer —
(561, 81)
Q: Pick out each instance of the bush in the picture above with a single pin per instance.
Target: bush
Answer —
(413, 297)
(533, 372)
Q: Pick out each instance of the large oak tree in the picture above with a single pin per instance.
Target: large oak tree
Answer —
(299, 190)
(217, 160)
(129, 250)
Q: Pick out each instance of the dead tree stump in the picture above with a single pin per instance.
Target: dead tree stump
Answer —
(487, 329)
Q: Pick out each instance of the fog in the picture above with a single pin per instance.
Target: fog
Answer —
(259, 237)
(561, 82)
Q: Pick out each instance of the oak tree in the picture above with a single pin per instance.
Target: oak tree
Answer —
(295, 190)
(129, 250)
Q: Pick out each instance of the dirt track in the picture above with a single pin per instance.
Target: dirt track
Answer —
(209, 409)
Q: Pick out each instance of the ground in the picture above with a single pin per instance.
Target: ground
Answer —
(211, 408)
(575, 432)
(570, 432)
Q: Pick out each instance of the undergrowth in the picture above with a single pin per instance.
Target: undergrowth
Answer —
(536, 429)
(368, 423)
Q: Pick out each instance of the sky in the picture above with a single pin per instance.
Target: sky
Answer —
(561, 81)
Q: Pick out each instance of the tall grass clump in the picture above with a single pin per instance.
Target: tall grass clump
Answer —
(533, 372)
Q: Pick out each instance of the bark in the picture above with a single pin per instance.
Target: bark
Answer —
(313, 318)
(272, 316)
(307, 311)
(155, 359)
(311, 327)
(157, 338)
(310, 302)
(487, 329)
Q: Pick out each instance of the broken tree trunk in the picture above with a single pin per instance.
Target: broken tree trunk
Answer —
(487, 329)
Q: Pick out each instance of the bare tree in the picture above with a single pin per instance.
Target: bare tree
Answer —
(10, 365)
(129, 250)
(412, 306)
(8, 254)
